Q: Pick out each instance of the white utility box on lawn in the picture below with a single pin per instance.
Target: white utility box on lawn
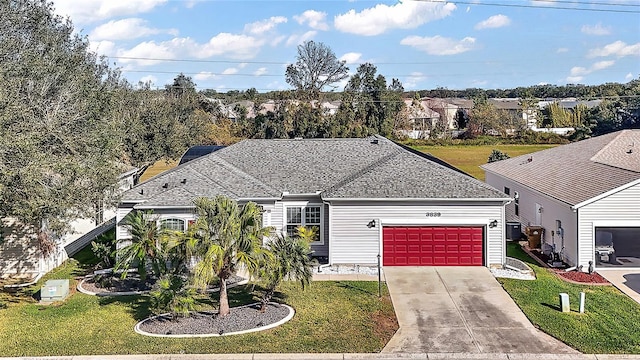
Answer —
(54, 290)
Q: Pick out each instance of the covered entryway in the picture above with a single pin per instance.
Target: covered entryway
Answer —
(432, 246)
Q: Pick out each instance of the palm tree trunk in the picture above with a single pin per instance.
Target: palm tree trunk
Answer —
(224, 299)
(268, 294)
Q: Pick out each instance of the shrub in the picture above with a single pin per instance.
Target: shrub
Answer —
(172, 294)
(497, 155)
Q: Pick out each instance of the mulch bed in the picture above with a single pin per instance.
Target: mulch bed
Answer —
(115, 284)
(208, 322)
(576, 277)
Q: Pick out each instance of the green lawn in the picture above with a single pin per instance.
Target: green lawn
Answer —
(468, 158)
(610, 324)
(330, 317)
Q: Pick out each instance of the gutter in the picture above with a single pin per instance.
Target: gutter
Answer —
(506, 200)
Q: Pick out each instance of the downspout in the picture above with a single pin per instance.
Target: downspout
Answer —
(329, 237)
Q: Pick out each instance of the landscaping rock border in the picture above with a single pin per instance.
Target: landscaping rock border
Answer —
(241, 320)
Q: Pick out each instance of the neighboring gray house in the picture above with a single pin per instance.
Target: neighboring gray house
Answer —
(586, 195)
(366, 196)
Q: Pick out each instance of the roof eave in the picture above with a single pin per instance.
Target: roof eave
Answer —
(505, 199)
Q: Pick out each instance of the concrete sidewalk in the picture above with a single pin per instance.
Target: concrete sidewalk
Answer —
(346, 356)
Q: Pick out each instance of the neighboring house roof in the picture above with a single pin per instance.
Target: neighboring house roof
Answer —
(420, 110)
(197, 151)
(364, 168)
(506, 103)
(570, 103)
(577, 172)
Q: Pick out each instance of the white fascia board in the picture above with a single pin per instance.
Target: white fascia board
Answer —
(505, 199)
(145, 207)
(257, 200)
(605, 194)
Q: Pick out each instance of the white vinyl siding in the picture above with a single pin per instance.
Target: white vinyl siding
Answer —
(619, 209)
(552, 210)
(352, 242)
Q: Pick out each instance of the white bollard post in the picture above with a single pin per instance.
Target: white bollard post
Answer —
(582, 296)
(564, 302)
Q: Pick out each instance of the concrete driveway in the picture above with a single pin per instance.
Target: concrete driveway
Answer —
(627, 281)
(460, 309)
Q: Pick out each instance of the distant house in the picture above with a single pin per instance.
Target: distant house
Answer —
(420, 119)
(19, 252)
(366, 197)
(586, 196)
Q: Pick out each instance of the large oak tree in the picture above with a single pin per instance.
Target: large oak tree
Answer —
(57, 152)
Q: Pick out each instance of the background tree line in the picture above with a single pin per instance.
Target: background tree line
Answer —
(70, 123)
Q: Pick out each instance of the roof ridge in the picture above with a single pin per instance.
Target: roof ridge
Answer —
(353, 176)
(237, 170)
(609, 143)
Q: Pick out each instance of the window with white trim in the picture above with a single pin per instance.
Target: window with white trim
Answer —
(308, 216)
(172, 224)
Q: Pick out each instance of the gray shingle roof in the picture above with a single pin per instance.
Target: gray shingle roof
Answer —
(364, 168)
(409, 176)
(580, 171)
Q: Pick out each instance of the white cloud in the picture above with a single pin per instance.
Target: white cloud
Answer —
(618, 48)
(204, 75)
(493, 22)
(544, 3)
(602, 65)
(149, 79)
(413, 80)
(230, 71)
(629, 76)
(578, 70)
(231, 45)
(577, 73)
(130, 28)
(88, 11)
(596, 29)
(562, 50)
(260, 71)
(438, 45)
(261, 27)
(147, 53)
(299, 39)
(315, 19)
(351, 57)
(103, 47)
(382, 18)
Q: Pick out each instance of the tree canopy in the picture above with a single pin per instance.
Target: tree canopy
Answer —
(57, 152)
(316, 67)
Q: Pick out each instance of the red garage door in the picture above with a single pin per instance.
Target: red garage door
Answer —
(413, 246)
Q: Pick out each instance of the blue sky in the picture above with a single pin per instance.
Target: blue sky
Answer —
(238, 44)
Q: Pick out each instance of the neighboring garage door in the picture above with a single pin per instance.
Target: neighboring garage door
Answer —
(437, 246)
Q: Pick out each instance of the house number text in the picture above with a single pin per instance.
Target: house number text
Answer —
(433, 214)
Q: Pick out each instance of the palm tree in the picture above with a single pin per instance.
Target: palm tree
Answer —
(144, 249)
(291, 261)
(227, 236)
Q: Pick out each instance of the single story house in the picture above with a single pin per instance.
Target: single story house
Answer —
(585, 195)
(366, 196)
